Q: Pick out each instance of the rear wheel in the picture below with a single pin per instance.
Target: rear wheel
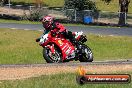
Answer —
(50, 57)
(87, 55)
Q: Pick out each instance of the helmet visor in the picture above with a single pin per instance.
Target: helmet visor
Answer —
(45, 24)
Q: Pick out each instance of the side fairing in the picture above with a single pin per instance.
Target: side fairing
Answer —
(66, 47)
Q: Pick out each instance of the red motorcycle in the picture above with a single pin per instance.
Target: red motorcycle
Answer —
(58, 49)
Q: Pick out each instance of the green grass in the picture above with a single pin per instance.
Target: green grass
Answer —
(20, 22)
(110, 47)
(50, 3)
(19, 47)
(65, 80)
(32, 22)
(112, 7)
(65, 24)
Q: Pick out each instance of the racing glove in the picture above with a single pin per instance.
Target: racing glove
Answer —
(38, 39)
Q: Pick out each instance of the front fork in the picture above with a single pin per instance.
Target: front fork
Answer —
(51, 47)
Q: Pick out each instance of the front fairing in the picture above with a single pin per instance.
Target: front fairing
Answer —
(78, 34)
(44, 37)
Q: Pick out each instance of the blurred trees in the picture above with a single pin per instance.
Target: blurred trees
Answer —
(3, 2)
(80, 5)
(89, 5)
(77, 6)
(123, 4)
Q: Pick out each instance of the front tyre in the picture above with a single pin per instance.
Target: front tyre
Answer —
(87, 55)
(50, 57)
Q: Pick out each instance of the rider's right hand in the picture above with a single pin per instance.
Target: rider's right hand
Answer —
(38, 39)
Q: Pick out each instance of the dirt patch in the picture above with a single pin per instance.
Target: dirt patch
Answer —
(12, 73)
(10, 11)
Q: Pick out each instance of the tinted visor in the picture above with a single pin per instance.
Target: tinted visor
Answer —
(45, 22)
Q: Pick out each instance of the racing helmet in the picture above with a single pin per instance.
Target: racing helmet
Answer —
(47, 21)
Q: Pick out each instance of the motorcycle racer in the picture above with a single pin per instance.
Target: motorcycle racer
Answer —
(54, 27)
(60, 45)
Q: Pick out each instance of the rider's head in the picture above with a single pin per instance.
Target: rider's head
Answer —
(47, 21)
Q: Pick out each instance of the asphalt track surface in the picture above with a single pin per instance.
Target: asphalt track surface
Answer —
(72, 64)
(124, 31)
(95, 30)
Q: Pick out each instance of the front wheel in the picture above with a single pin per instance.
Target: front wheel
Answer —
(87, 55)
(50, 57)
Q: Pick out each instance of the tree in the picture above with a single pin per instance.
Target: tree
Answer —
(38, 3)
(123, 10)
(80, 5)
(4, 1)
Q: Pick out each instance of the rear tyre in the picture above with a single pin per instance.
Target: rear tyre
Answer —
(87, 56)
(52, 58)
